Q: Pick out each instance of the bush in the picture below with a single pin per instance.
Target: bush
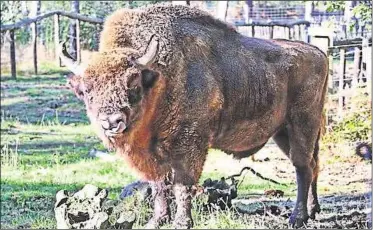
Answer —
(355, 126)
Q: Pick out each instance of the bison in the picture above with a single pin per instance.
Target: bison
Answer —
(169, 82)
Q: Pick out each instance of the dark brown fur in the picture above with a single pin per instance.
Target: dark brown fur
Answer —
(215, 88)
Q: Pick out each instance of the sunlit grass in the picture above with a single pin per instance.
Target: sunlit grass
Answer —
(46, 149)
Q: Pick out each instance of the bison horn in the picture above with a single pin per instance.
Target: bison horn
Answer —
(149, 57)
(69, 61)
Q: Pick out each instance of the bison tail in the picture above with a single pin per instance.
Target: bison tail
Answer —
(322, 125)
(323, 122)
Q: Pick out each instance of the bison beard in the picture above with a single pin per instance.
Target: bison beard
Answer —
(170, 82)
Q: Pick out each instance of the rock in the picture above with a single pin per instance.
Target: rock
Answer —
(89, 208)
(125, 221)
(88, 191)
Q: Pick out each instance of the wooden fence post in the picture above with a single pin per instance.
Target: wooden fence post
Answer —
(367, 59)
(57, 38)
(35, 47)
(78, 53)
(342, 72)
(293, 33)
(13, 55)
(271, 32)
(357, 65)
(299, 32)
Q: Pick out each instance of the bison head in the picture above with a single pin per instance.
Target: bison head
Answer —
(112, 87)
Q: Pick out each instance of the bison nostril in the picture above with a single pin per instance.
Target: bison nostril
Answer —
(115, 119)
(114, 122)
(105, 124)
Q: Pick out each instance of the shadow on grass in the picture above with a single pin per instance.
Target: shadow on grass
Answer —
(24, 76)
(35, 111)
(41, 98)
(52, 152)
(13, 190)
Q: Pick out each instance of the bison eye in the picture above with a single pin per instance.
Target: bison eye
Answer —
(134, 95)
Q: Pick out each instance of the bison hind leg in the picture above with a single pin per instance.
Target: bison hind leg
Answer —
(313, 202)
(295, 144)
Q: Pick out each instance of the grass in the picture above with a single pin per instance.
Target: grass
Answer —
(45, 141)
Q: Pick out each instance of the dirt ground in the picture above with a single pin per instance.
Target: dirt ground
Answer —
(344, 192)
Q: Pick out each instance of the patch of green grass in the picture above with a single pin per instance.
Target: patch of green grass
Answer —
(45, 149)
(45, 143)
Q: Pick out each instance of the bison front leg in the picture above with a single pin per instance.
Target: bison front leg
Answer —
(183, 198)
(186, 175)
(161, 213)
(187, 171)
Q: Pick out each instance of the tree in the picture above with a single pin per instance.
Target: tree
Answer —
(35, 11)
(72, 30)
(361, 10)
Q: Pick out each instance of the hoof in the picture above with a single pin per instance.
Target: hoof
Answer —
(313, 210)
(152, 224)
(298, 220)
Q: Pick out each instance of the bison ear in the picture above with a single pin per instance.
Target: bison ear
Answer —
(148, 78)
(73, 82)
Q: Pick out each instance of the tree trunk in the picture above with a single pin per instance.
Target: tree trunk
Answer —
(35, 32)
(72, 30)
(35, 11)
(13, 55)
(96, 37)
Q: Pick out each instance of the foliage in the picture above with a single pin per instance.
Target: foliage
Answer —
(356, 126)
(11, 12)
(335, 6)
(362, 11)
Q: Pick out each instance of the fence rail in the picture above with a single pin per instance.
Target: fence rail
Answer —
(293, 29)
(350, 68)
(27, 21)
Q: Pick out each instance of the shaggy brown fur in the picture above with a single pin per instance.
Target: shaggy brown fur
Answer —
(208, 86)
